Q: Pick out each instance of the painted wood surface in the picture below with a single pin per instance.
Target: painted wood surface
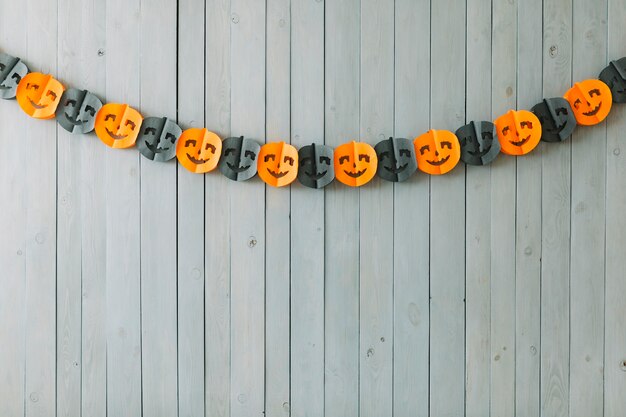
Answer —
(133, 288)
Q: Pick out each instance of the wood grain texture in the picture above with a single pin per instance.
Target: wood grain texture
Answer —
(136, 288)
(588, 232)
(307, 213)
(411, 218)
(555, 219)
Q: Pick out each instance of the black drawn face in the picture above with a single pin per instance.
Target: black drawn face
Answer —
(157, 138)
(239, 158)
(12, 70)
(77, 111)
(396, 159)
(479, 144)
(316, 168)
(557, 119)
(614, 75)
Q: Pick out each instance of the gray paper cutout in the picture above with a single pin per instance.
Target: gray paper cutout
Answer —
(479, 143)
(557, 119)
(12, 70)
(396, 159)
(239, 158)
(614, 75)
(77, 110)
(157, 138)
(316, 169)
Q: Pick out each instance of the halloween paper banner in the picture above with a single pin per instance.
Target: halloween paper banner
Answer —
(279, 164)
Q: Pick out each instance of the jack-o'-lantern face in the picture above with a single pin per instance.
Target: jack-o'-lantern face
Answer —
(396, 159)
(556, 118)
(437, 151)
(519, 132)
(157, 138)
(614, 75)
(118, 125)
(278, 164)
(199, 150)
(12, 70)
(39, 95)
(591, 101)
(239, 158)
(479, 144)
(355, 163)
(316, 168)
(77, 111)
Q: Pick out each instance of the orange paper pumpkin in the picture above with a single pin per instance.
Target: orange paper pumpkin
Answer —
(278, 163)
(118, 125)
(437, 151)
(199, 150)
(39, 95)
(519, 132)
(591, 101)
(355, 163)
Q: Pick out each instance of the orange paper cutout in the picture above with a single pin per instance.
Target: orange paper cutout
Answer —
(199, 150)
(39, 95)
(437, 151)
(355, 163)
(591, 101)
(118, 125)
(518, 131)
(278, 163)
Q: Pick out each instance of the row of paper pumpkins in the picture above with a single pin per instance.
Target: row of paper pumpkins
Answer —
(279, 164)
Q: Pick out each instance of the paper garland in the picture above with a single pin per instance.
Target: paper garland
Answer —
(278, 164)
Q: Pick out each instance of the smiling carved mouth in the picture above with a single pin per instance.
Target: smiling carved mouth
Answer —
(156, 149)
(315, 176)
(355, 174)
(197, 161)
(520, 142)
(277, 174)
(37, 106)
(395, 170)
(74, 121)
(478, 153)
(237, 170)
(114, 136)
(439, 162)
(2, 87)
(594, 111)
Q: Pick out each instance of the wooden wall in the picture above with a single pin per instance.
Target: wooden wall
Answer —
(129, 287)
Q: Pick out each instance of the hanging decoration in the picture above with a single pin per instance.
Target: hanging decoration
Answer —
(614, 75)
(519, 132)
(199, 150)
(556, 118)
(396, 159)
(591, 101)
(157, 138)
(437, 151)
(117, 125)
(316, 169)
(239, 158)
(355, 163)
(479, 145)
(77, 111)
(39, 95)
(12, 70)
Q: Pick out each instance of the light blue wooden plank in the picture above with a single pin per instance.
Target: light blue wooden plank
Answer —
(376, 213)
(122, 190)
(277, 214)
(411, 231)
(341, 297)
(503, 177)
(528, 226)
(588, 218)
(556, 195)
(39, 142)
(614, 368)
(158, 213)
(447, 217)
(217, 214)
(307, 213)
(247, 210)
(478, 245)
